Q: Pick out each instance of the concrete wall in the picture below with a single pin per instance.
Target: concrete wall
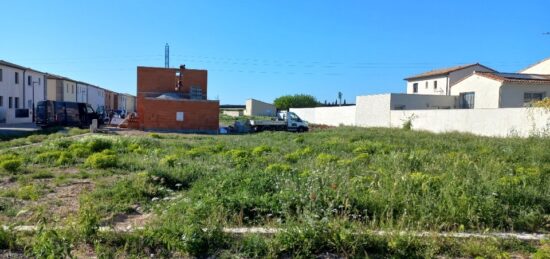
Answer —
(233, 113)
(332, 116)
(486, 122)
(259, 108)
(487, 91)
(542, 68)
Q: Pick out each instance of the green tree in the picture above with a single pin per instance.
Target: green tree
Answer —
(295, 101)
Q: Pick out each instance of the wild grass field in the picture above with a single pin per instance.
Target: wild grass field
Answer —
(327, 191)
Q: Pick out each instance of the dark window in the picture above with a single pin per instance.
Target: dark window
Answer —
(72, 89)
(1, 75)
(1, 101)
(39, 81)
(16, 102)
(435, 84)
(16, 78)
(467, 100)
(415, 88)
(10, 102)
(529, 98)
(29, 79)
(426, 84)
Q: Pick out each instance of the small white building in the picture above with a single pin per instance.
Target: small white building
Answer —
(440, 81)
(501, 90)
(20, 89)
(259, 108)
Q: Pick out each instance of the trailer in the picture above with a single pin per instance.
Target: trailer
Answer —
(284, 121)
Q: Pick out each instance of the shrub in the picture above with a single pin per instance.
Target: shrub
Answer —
(29, 192)
(169, 160)
(99, 144)
(50, 244)
(11, 165)
(7, 239)
(65, 158)
(279, 168)
(48, 156)
(324, 158)
(261, 150)
(155, 135)
(105, 159)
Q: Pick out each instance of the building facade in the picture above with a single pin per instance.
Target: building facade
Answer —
(440, 81)
(20, 89)
(175, 99)
(259, 108)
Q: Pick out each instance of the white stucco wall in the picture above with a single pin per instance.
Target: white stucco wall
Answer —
(512, 93)
(542, 68)
(501, 122)
(34, 92)
(373, 110)
(259, 108)
(332, 116)
(8, 88)
(487, 91)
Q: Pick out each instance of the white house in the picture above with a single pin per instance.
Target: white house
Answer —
(501, 90)
(20, 89)
(440, 81)
(541, 68)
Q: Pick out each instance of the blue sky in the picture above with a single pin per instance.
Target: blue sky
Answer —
(264, 49)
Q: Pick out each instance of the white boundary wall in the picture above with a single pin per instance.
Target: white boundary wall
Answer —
(522, 122)
(375, 111)
(332, 116)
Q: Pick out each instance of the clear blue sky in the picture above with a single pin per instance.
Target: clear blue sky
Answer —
(264, 49)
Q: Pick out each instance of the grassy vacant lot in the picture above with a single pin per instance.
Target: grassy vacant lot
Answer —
(327, 190)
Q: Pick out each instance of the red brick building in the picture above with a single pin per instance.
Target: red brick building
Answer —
(175, 99)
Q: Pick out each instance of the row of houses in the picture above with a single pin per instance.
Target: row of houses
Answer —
(21, 88)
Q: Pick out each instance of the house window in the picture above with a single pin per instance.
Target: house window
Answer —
(1, 75)
(530, 98)
(72, 89)
(467, 100)
(16, 102)
(10, 102)
(29, 79)
(39, 81)
(435, 84)
(426, 85)
(415, 88)
(16, 77)
(196, 93)
(1, 101)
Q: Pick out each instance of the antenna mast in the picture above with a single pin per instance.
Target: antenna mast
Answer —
(166, 56)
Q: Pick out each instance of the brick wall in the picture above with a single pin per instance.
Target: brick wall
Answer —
(161, 114)
(199, 115)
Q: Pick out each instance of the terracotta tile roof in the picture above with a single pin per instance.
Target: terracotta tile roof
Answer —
(516, 77)
(444, 71)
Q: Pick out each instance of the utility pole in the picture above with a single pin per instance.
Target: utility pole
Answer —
(166, 56)
(340, 97)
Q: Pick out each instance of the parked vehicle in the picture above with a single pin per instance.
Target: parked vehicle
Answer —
(284, 121)
(103, 115)
(54, 113)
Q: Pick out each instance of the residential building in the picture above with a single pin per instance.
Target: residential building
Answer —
(501, 90)
(130, 103)
(121, 102)
(109, 100)
(69, 90)
(440, 81)
(82, 92)
(54, 87)
(541, 68)
(175, 99)
(259, 108)
(20, 89)
(96, 97)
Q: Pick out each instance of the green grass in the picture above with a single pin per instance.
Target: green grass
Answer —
(329, 189)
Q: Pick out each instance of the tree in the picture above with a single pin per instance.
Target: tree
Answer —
(295, 101)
